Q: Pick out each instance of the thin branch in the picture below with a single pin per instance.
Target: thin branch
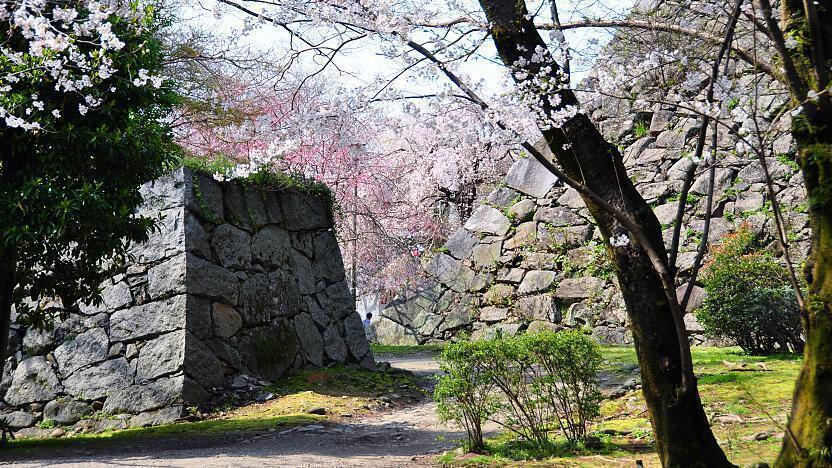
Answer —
(792, 78)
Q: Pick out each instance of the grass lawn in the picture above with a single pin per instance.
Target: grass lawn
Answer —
(743, 396)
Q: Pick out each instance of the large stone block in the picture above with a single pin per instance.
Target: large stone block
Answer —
(388, 332)
(100, 380)
(328, 265)
(337, 300)
(227, 321)
(571, 289)
(87, 348)
(212, 281)
(33, 381)
(163, 193)
(66, 411)
(146, 397)
(530, 177)
(271, 247)
(202, 364)
(161, 356)
(451, 272)
(166, 240)
(311, 343)
(268, 352)
(502, 197)
(168, 278)
(537, 281)
(302, 211)
(203, 196)
(256, 300)
(232, 246)
(355, 337)
(148, 319)
(540, 307)
(558, 216)
(488, 220)
(334, 345)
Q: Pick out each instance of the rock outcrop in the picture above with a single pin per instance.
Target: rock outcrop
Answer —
(237, 283)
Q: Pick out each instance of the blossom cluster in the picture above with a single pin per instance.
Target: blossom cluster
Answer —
(64, 47)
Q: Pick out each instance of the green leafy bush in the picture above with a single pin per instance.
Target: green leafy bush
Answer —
(464, 392)
(532, 385)
(750, 299)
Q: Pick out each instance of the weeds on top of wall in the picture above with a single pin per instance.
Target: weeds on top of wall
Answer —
(265, 177)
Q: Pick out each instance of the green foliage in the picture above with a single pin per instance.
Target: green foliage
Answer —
(788, 161)
(750, 299)
(564, 369)
(68, 193)
(464, 391)
(641, 129)
(266, 177)
(531, 384)
(47, 424)
(596, 262)
(404, 350)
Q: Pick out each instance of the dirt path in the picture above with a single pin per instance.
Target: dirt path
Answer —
(400, 437)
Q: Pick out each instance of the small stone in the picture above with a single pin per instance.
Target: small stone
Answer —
(537, 281)
(522, 210)
(317, 410)
(460, 243)
(58, 432)
(493, 314)
(488, 220)
(579, 288)
(727, 418)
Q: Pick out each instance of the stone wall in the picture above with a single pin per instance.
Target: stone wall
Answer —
(237, 286)
(529, 257)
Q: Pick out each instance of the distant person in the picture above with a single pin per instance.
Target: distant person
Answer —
(367, 319)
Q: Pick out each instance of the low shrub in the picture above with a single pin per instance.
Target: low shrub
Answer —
(464, 390)
(750, 298)
(532, 385)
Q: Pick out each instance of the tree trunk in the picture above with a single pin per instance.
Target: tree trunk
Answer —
(680, 426)
(808, 442)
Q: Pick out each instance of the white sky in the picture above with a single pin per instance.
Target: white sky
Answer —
(362, 63)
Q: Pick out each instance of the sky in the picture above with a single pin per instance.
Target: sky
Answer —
(363, 66)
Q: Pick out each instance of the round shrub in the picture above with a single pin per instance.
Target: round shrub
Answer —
(750, 299)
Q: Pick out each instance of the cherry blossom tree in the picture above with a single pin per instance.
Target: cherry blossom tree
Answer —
(399, 185)
(83, 105)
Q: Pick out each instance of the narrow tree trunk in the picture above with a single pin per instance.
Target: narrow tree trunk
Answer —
(680, 426)
(808, 442)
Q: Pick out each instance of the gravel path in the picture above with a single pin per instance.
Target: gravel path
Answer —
(400, 437)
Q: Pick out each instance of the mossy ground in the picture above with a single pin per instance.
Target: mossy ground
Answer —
(398, 351)
(751, 393)
(340, 391)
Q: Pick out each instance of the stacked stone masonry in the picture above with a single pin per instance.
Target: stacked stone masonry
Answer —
(530, 258)
(238, 285)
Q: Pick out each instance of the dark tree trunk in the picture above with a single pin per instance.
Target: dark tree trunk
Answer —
(808, 442)
(683, 434)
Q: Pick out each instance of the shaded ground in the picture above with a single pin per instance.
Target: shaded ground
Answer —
(746, 398)
(400, 436)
